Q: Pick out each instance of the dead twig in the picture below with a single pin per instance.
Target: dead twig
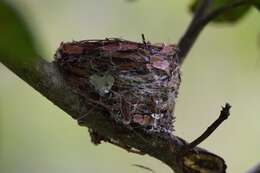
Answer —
(224, 114)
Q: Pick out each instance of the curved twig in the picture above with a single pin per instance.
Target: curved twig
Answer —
(224, 114)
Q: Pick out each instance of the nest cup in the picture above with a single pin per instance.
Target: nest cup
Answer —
(137, 83)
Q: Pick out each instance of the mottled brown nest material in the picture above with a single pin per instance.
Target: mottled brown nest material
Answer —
(137, 83)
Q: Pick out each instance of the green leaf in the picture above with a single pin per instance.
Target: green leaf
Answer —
(230, 16)
(16, 42)
(233, 15)
(257, 4)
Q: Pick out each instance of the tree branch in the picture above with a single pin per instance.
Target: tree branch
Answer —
(46, 78)
(199, 21)
(224, 114)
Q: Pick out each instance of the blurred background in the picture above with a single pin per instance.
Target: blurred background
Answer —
(223, 66)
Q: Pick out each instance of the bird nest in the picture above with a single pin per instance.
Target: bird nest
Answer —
(137, 83)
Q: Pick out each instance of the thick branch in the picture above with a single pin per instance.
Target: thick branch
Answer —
(46, 78)
(199, 21)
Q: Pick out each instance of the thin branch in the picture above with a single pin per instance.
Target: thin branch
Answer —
(144, 167)
(198, 24)
(224, 114)
(125, 147)
(193, 29)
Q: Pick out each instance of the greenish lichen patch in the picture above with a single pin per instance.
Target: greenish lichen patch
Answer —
(102, 83)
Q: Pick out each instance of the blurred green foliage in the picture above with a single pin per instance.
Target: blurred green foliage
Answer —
(16, 43)
(257, 4)
(229, 16)
(36, 136)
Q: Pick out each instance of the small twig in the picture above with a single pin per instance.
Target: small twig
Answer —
(127, 148)
(144, 167)
(200, 20)
(144, 41)
(85, 115)
(224, 114)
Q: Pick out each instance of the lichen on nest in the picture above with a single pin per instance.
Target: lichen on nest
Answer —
(137, 83)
